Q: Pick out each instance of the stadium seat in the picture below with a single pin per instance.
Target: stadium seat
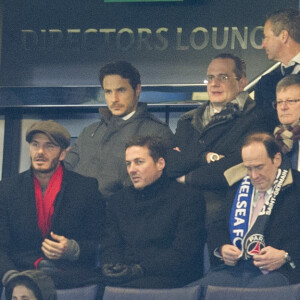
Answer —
(82, 293)
(185, 293)
(206, 261)
(290, 292)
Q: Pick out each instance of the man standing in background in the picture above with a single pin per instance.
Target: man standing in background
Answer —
(282, 43)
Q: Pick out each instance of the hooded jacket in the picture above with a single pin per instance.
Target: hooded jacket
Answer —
(43, 284)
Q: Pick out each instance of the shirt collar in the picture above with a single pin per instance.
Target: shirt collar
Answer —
(240, 100)
(294, 60)
(127, 117)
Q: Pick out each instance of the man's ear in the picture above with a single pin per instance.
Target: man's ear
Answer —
(63, 154)
(277, 159)
(138, 90)
(284, 35)
(161, 163)
(243, 83)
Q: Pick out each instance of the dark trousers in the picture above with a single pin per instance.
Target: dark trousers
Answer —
(243, 275)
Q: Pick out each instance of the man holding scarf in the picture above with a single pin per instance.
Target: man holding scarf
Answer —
(264, 224)
(50, 218)
(288, 111)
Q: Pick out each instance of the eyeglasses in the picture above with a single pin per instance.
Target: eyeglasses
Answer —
(288, 102)
(220, 77)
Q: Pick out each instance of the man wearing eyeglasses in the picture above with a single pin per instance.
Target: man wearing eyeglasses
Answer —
(212, 135)
(287, 105)
(282, 44)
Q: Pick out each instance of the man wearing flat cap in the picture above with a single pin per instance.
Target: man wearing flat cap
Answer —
(50, 218)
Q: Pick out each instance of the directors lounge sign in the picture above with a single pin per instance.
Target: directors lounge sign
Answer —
(141, 39)
(64, 43)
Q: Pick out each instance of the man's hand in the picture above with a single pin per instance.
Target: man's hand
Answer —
(209, 154)
(114, 270)
(181, 179)
(230, 254)
(269, 259)
(121, 272)
(55, 250)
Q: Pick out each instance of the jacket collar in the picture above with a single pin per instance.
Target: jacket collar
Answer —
(238, 172)
(107, 115)
(154, 188)
(244, 102)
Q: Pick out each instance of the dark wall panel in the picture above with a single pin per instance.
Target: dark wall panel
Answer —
(58, 43)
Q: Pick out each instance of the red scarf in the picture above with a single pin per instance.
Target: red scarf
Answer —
(45, 205)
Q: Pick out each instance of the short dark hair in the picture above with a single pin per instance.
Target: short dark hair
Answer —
(265, 138)
(286, 19)
(122, 68)
(156, 146)
(240, 65)
(289, 80)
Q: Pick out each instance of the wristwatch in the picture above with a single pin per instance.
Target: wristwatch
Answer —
(288, 260)
(214, 157)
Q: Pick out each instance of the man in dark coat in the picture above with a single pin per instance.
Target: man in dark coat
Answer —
(155, 228)
(51, 219)
(262, 247)
(210, 137)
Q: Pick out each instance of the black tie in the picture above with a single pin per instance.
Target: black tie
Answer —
(289, 70)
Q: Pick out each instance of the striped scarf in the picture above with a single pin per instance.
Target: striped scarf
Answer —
(286, 135)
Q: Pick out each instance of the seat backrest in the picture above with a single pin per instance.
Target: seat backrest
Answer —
(3, 294)
(206, 260)
(82, 293)
(290, 292)
(185, 293)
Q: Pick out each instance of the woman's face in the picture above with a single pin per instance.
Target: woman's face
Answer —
(21, 292)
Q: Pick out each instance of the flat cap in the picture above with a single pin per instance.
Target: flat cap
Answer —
(56, 133)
